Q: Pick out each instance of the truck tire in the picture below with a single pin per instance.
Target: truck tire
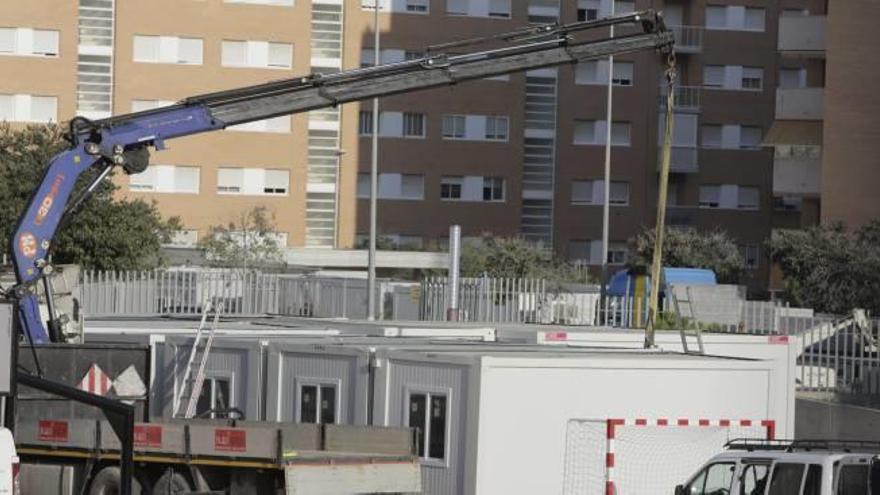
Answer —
(108, 482)
(171, 483)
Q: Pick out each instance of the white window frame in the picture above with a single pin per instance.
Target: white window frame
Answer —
(495, 136)
(452, 180)
(317, 382)
(412, 115)
(418, 7)
(500, 15)
(365, 123)
(268, 3)
(211, 378)
(455, 135)
(503, 189)
(239, 189)
(429, 392)
(741, 206)
(709, 205)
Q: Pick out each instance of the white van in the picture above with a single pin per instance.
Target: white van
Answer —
(8, 464)
(789, 468)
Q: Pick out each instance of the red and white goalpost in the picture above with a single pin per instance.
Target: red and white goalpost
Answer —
(646, 456)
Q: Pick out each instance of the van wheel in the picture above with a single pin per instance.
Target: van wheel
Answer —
(171, 483)
(109, 482)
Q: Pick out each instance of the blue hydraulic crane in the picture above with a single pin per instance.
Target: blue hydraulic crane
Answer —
(124, 140)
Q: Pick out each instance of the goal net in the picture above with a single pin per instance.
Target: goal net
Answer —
(645, 457)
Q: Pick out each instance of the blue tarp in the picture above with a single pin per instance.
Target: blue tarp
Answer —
(621, 282)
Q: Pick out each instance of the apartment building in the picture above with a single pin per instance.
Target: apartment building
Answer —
(513, 155)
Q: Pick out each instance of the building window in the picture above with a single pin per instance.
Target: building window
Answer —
(588, 10)
(28, 42)
(413, 124)
(317, 403)
(365, 123)
(168, 50)
(283, 3)
(279, 124)
(592, 192)
(275, 182)
(493, 189)
(253, 181)
(750, 255)
(499, 8)
(618, 253)
(735, 17)
(750, 138)
(215, 399)
(496, 128)
(594, 132)
(457, 7)
(752, 78)
(710, 196)
(412, 186)
(257, 54)
(428, 414)
(792, 78)
(454, 126)
(166, 179)
(450, 188)
(417, 6)
(712, 136)
(713, 76)
(413, 55)
(393, 186)
(595, 72)
(748, 198)
(28, 108)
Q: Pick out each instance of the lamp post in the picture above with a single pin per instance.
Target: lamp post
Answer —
(374, 181)
(606, 203)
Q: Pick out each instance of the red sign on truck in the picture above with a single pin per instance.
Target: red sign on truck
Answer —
(148, 436)
(228, 440)
(53, 431)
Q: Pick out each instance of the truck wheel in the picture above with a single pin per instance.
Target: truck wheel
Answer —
(171, 483)
(109, 481)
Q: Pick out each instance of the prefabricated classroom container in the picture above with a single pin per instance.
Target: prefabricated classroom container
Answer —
(505, 415)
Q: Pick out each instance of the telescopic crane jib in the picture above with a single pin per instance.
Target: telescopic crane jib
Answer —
(124, 140)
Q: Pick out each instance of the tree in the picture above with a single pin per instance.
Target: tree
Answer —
(687, 247)
(830, 269)
(247, 243)
(514, 257)
(108, 233)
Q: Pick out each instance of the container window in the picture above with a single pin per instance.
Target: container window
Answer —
(787, 479)
(214, 399)
(437, 443)
(328, 404)
(428, 414)
(417, 411)
(308, 400)
(317, 404)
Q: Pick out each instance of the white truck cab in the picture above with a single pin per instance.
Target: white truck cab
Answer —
(8, 464)
(789, 468)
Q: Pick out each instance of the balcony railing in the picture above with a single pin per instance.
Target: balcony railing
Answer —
(682, 161)
(797, 171)
(688, 39)
(687, 98)
(802, 34)
(800, 103)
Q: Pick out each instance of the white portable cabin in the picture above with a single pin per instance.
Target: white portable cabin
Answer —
(511, 419)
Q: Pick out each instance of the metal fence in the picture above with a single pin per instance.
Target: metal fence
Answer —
(177, 292)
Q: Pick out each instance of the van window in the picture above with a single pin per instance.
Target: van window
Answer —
(753, 480)
(786, 479)
(853, 480)
(875, 477)
(813, 483)
(715, 479)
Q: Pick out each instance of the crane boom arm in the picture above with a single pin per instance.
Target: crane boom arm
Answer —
(124, 140)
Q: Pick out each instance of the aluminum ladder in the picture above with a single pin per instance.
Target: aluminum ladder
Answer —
(695, 333)
(195, 382)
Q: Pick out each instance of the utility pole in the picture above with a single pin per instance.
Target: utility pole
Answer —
(374, 180)
(606, 203)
